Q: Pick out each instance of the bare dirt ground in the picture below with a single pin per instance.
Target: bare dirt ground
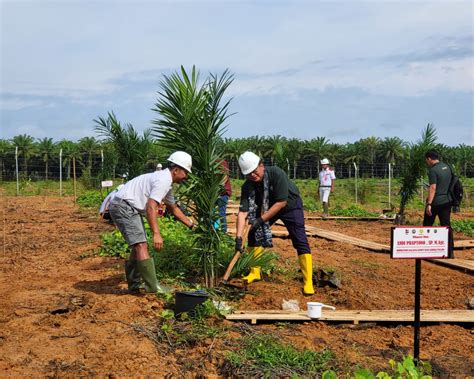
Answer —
(65, 312)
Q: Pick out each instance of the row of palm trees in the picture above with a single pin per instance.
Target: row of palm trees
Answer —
(99, 157)
(371, 151)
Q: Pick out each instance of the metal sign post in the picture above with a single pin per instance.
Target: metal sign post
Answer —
(356, 175)
(420, 242)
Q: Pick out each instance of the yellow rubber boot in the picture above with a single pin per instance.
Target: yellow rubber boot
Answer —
(255, 272)
(306, 264)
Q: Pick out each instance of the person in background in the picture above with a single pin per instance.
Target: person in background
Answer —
(159, 167)
(326, 185)
(140, 197)
(267, 196)
(104, 207)
(438, 201)
(224, 198)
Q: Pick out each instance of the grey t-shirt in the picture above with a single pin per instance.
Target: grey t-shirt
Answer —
(440, 174)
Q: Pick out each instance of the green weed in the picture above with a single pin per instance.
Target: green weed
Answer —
(266, 356)
(352, 211)
(398, 370)
(463, 226)
(91, 199)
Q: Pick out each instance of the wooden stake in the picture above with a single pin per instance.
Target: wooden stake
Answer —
(21, 240)
(4, 235)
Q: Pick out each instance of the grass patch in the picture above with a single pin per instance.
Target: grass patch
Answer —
(463, 226)
(266, 356)
(365, 264)
(353, 210)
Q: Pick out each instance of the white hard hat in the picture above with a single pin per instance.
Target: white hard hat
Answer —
(248, 162)
(159, 166)
(325, 161)
(182, 159)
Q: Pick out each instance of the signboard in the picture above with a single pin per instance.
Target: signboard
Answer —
(420, 242)
(107, 183)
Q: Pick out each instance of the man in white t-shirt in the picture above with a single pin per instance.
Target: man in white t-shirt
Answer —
(326, 185)
(140, 197)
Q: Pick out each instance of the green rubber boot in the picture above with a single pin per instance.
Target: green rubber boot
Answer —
(133, 276)
(148, 273)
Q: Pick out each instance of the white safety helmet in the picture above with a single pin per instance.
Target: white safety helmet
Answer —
(181, 159)
(159, 166)
(325, 161)
(248, 162)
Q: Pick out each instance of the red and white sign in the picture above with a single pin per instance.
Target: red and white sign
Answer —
(107, 183)
(420, 242)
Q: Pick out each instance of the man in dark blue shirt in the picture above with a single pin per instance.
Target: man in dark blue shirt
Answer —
(268, 195)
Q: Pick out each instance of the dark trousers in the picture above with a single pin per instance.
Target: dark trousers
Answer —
(222, 203)
(443, 212)
(294, 222)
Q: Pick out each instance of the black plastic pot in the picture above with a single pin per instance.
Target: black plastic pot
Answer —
(187, 301)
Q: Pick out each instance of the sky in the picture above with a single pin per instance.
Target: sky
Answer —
(343, 70)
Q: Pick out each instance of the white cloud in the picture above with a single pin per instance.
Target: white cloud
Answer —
(15, 104)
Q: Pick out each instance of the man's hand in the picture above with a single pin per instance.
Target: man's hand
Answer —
(238, 244)
(428, 210)
(157, 241)
(257, 223)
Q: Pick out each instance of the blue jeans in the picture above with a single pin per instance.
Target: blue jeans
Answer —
(222, 202)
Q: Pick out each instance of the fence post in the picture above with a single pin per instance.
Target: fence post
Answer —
(390, 185)
(17, 178)
(356, 174)
(101, 164)
(74, 177)
(60, 172)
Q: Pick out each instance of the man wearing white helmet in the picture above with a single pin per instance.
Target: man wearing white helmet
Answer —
(141, 197)
(326, 185)
(268, 195)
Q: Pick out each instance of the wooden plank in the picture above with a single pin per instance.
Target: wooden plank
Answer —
(466, 265)
(463, 244)
(355, 316)
(460, 264)
(353, 218)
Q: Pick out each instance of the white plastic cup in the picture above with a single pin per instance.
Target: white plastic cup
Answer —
(315, 309)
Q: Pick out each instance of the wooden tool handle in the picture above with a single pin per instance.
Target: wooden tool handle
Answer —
(232, 263)
(236, 255)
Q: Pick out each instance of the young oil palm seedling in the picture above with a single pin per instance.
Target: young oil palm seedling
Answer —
(132, 149)
(191, 118)
(414, 169)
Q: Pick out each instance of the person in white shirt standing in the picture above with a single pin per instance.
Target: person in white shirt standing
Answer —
(140, 197)
(326, 185)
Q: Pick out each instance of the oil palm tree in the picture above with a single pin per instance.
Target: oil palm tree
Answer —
(88, 146)
(45, 151)
(26, 149)
(392, 148)
(370, 146)
(5, 149)
(132, 149)
(465, 157)
(317, 149)
(414, 168)
(295, 149)
(191, 118)
(69, 148)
